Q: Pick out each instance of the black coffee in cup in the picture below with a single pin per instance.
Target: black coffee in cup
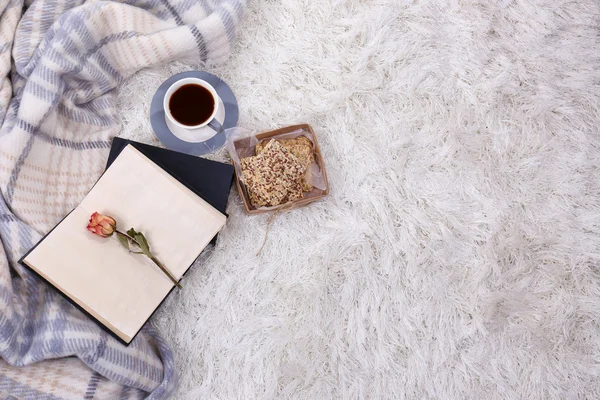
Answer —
(191, 104)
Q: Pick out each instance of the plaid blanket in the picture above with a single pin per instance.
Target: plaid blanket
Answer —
(59, 61)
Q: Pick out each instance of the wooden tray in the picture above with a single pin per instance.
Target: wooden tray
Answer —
(309, 197)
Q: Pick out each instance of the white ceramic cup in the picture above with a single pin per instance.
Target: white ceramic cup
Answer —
(203, 131)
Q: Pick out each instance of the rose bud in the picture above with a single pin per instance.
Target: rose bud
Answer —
(102, 225)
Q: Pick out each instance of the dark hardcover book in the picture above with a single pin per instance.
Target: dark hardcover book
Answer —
(211, 180)
(120, 290)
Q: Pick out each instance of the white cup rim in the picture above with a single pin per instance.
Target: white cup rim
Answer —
(185, 81)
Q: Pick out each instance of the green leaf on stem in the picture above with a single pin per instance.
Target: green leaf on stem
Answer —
(143, 238)
(124, 240)
(132, 232)
(143, 243)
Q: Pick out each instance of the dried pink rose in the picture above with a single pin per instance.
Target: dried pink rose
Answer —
(102, 225)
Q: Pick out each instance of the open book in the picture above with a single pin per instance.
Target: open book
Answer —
(118, 288)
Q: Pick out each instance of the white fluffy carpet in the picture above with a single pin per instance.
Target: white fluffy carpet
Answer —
(458, 256)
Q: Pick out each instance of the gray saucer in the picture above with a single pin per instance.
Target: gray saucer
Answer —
(162, 132)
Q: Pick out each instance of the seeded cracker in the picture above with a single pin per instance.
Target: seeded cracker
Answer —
(273, 177)
(301, 148)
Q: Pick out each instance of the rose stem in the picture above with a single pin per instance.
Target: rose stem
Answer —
(159, 264)
(155, 260)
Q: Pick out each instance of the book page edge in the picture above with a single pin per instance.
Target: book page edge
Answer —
(127, 339)
(178, 184)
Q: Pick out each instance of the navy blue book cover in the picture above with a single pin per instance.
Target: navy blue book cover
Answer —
(210, 180)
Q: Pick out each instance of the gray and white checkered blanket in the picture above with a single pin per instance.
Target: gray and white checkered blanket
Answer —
(59, 61)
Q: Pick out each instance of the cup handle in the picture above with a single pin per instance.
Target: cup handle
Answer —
(216, 125)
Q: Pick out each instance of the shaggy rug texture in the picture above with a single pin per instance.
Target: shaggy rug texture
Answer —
(458, 255)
